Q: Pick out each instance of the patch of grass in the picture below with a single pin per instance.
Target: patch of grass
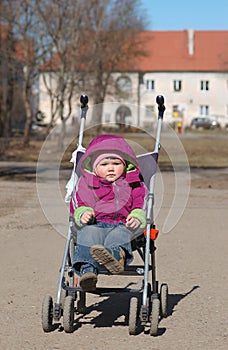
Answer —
(207, 151)
(202, 150)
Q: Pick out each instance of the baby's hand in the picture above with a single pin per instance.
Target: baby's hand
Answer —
(86, 217)
(132, 222)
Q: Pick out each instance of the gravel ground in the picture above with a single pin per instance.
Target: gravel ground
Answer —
(191, 258)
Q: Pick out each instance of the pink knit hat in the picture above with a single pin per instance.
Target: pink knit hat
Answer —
(106, 155)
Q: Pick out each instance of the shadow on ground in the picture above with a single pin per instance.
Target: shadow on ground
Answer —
(114, 311)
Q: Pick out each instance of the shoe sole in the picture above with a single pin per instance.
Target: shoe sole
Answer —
(103, 257)
(88, 282)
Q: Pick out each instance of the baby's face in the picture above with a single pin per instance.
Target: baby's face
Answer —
(110, 169)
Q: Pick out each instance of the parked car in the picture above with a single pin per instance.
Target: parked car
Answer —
(204, 123)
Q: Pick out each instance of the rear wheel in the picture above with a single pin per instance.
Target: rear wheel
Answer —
(68, 314)
(47, 314)
(133, 316)
(164, 299)
(154, 316)
(81, 304)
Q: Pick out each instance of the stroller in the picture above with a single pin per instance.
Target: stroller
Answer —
(149, 304)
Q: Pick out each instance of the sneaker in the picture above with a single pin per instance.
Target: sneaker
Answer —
(88, 281)
(113, 261)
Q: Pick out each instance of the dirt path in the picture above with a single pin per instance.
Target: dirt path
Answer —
(192, 259)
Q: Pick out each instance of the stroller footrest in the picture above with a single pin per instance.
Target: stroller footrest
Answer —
(132, 270)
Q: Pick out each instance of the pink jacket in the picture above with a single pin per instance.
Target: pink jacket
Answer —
(111, 202)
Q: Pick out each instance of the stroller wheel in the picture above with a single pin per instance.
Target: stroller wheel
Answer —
(68, 314)
(154, 316)
(164, 299)
(81, 304)
(133, 316)
(47, 313)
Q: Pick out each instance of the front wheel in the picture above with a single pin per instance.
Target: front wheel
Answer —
(154, 316)
(47, 314)
(68, 314)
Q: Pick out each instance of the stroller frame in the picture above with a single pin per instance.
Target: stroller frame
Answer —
(154, 301)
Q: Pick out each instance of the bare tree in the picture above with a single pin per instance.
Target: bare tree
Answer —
(74, 42)
(23, 55)
(7, 76)
(113, 46)
(33, 50)
(90, 40)
(62, 22)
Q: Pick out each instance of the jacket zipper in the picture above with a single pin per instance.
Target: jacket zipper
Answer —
(117, 201)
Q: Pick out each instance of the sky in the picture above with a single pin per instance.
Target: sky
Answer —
(191, 14)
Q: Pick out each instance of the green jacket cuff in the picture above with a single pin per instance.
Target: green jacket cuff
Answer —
(139, 214)
(78, 213)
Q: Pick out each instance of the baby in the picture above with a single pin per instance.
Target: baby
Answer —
(108, 205)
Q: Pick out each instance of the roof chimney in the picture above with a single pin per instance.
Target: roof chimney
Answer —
(191, 42)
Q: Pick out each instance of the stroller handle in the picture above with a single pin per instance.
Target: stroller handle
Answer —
(84, 108)
(161, 107)
(84, 100)
(160, 100)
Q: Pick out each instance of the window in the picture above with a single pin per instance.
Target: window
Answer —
(177, 85)
(149, 111)
(204, 85)
(150, 85)
(204, 111)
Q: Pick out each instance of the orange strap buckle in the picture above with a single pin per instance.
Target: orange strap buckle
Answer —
(153, 233)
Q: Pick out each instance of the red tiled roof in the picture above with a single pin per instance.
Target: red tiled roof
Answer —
(168, 51)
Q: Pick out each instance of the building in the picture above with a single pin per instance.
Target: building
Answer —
(189, 68)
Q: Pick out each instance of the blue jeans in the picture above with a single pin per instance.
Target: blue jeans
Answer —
(107, 235)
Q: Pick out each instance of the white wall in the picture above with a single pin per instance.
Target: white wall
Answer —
(188, 99)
